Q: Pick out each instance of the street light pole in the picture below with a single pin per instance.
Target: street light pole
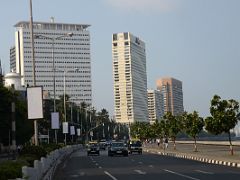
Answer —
(52, 39)
(33, 64)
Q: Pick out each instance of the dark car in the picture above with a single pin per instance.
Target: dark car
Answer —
(117, 148)
(93, 148)
(135, 146)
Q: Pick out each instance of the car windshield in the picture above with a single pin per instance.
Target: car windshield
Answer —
(117, 144)
(136, 143)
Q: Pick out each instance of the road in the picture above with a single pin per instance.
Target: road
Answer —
(141, 167)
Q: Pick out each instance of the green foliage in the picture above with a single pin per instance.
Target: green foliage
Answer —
(11, 169)
(51, 147)
(193, 124)
(224, 115)
(37, 151)
(24, 129)
(172, 127)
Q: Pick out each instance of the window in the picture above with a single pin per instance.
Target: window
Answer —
(114, 37)
(125, 35)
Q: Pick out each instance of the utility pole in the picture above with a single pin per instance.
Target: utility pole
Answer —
(34, 76)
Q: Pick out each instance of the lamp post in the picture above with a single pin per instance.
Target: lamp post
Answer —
(53, 39)
(64, 96)
(129, 128)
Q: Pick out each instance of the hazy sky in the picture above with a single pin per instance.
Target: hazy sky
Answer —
(195, 41)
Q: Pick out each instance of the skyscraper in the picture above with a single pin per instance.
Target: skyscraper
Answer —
(130, 78)
(155, 105)
(69, 54)
(172, 95)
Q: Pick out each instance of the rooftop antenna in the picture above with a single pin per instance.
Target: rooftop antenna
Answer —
(52, 19)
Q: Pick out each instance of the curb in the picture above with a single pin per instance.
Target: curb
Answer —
(201, 159)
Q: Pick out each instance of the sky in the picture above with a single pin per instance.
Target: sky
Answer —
(194, 41)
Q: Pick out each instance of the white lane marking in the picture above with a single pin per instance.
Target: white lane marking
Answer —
(100, 167)
(151, 166)
(74, 175)
(204, 172)
(189, 177)
(140, 162)
(140, 172)
(111, 176)
(82, 173)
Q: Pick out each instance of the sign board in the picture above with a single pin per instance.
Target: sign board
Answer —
(55, 120)
(35, 102)
(78, 131)
(72, 130)
(65, 127)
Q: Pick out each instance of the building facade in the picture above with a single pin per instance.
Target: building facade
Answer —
(54, 49)
(130, 78)
(12, 59)
(155, 105)
(171, 90)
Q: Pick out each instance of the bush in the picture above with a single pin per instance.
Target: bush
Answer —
(11, 169)
(51, 147)
(36, 151)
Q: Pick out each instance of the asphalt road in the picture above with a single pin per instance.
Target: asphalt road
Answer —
(141, 167)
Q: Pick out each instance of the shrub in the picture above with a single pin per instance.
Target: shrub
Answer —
(11, 169)
(36, 151)
(51, 147)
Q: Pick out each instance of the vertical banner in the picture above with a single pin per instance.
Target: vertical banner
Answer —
(65, 127)
(55, 120)
(78, 131)
(35, 102)
(72, 130)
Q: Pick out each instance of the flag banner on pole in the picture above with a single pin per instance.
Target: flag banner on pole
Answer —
(35, 102)
(78, 131)
(65, 127)
(72, 130)
(55, 120)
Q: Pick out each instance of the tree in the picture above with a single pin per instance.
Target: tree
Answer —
(193, 125)
(24, 127)
(173, 126)
(224, 117)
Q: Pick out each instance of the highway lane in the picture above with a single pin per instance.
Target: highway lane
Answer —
(142, 167)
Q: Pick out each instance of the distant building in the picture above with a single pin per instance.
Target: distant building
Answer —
(172, 95)
(155, 105)
(130, 78)
(13, 80)
(13, 59)
(70, 54)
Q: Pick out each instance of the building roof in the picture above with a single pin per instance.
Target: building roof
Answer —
(52, 25)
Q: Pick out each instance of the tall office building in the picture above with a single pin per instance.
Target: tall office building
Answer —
(172, 95)
(155, 105)
(130, 78)
(69, 54)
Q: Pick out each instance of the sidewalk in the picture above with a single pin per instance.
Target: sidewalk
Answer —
(210, 152)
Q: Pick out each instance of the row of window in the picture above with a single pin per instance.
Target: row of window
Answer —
(56, 34)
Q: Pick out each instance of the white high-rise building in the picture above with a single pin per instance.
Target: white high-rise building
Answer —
(155, 105)
(70, 54)
(130, 78)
